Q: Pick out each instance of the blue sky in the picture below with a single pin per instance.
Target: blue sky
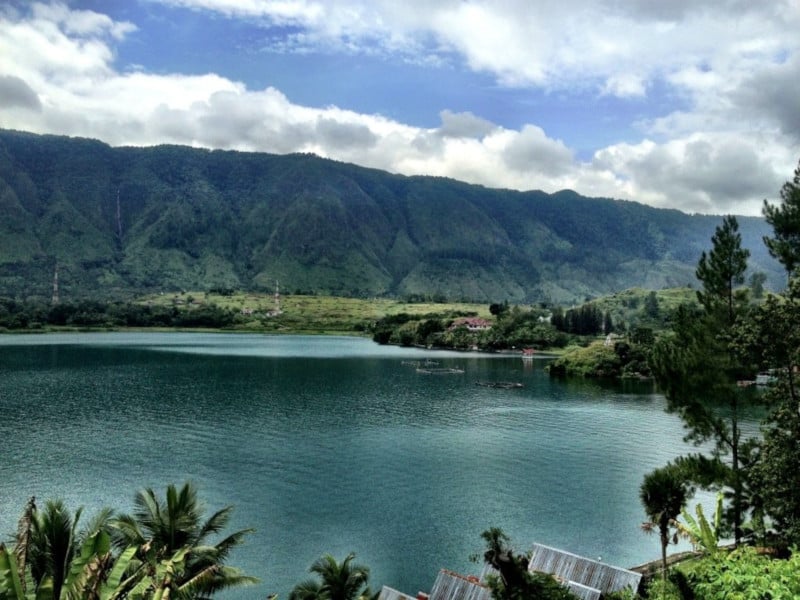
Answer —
(688, 104)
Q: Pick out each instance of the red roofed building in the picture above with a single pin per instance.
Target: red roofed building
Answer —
(472, 324)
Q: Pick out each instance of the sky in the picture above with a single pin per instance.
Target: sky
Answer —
(686, 104)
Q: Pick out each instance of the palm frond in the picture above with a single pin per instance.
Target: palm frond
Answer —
(227, 544)
(23, 538)
(126, 531)
(215, 523)
(307, 590)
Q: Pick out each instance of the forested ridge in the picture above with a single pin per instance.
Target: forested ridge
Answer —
(118, 222)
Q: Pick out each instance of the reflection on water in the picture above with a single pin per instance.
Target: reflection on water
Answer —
(333, 445)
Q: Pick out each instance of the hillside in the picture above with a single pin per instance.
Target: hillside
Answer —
(125, 221)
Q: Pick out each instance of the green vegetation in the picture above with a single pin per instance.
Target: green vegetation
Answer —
(663, 493)
(228, 310)
(513, 580)
(159, 551)
(118, 223)
(344, 580)
(699, 364)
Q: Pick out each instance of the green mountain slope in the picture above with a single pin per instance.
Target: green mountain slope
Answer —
(122, 221)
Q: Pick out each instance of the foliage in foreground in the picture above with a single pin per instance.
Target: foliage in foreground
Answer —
(162, 550)
(743, 574)
(344, 580)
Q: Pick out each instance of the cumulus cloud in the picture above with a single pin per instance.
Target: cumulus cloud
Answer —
(57, 75)
(531, 150)
(772, 93)
(465, 124)
(15, 92)
(706, 173)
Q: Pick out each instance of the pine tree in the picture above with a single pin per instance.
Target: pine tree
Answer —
(698, 366)
(785, 221)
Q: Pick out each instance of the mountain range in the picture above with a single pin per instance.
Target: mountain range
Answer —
(115, 222)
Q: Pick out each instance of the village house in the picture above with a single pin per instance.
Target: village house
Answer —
(472, 324)
(586, 578)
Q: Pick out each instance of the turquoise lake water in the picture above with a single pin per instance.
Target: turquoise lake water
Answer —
(332, 444)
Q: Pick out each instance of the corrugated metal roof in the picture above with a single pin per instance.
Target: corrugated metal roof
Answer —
(452, 586)
(388, 593)
(570, 567)
(584, 592)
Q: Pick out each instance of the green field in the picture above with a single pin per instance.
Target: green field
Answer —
(309, 314)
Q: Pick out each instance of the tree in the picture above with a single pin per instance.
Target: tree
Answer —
(515, 582)
(651, 308)
(722, 269)
(664, 492)
(776, 479)
(757, 281)
(773, 337)
(52, 541)
(498, 309)
(699, 363)
(337, 581)
(608, 323)
(163, 528)
(785, 222)
(51, 561)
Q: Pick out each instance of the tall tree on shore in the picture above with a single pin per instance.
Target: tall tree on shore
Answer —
(664, 493)
(785, 221)
(774, 334)
(721, 271)
(698, 364)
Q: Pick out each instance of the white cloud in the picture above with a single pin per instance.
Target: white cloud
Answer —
(281, 11)
(706, 158)
(707, 173)
(464, 124)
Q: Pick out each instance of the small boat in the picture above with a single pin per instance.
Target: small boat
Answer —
(440, 371)
(503, 385)
(419, 363)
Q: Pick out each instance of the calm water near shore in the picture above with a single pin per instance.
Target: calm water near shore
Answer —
(332, 444)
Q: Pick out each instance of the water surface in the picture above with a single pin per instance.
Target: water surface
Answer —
(332, 444)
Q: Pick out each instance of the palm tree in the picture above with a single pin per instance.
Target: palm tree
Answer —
(53, 540)
(500, 556)
(51, 560)
(164, 528)
(664, 492)
(338, 581)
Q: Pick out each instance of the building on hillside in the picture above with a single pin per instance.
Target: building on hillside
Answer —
(586, 578)
(472, 324)
(388, 593)
(448, 586)
(453, 586)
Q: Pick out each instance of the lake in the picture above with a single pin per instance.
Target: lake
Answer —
(332, 444)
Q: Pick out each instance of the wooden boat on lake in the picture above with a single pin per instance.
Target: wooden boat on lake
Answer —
(440, 370)
(503, 385)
